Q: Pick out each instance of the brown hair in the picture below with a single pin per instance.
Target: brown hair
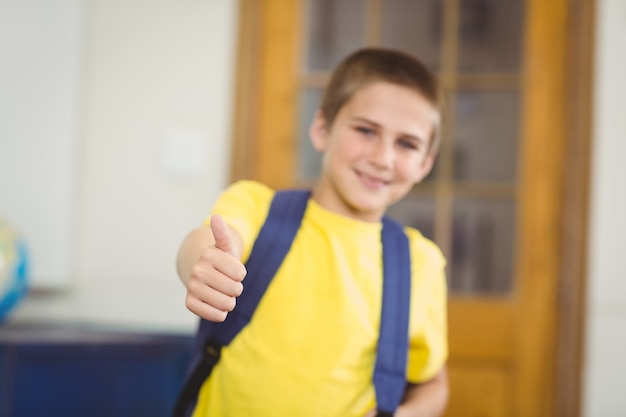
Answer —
(368, 65)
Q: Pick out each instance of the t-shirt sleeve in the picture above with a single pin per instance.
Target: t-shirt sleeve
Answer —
(244, 206)
(428, 344)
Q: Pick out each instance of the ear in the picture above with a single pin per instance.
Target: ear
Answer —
(318, 132)
(426, 166)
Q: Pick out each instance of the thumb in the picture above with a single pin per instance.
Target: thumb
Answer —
(221, 234)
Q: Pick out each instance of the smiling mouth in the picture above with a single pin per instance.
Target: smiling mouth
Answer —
(371, 182)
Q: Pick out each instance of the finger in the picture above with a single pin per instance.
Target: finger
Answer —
(214, 298)
(214, 260)
(218, 280)
(205, 310)
(221, 234)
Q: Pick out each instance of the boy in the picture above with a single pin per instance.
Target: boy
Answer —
(310, 347)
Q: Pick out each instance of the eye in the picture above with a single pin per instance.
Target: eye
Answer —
(409, 144)
(365, 131)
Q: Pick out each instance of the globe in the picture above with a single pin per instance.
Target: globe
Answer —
(13, 269)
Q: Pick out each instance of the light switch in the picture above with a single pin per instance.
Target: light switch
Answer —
(184, 154)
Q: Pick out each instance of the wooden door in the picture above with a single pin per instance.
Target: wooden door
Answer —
(495, 200)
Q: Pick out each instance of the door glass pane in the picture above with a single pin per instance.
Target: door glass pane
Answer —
(490, 35)
(413, 26)
(417, 212)
(486, 136)
(335, 28)
(309, 160)
(482, 247)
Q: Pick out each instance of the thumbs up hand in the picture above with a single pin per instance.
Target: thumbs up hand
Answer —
(216, 278)
(223, 239)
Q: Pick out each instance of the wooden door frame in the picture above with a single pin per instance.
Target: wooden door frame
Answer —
(556, 195)
(564, 67)
(266, 46)
(576, 195)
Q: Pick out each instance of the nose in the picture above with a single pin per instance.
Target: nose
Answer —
(382, 154)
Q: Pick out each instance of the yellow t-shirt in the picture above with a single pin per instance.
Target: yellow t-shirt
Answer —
(310, 347)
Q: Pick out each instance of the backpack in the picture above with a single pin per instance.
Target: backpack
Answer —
(270, 248)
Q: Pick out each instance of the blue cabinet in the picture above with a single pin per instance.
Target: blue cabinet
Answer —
(88, 373)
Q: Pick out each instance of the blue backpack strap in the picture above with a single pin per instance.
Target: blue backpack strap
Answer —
(393, 343)
(269, 250)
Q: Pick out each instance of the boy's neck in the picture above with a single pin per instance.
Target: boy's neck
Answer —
(324, 195)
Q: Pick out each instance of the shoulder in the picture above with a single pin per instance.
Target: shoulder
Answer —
(246, 191)
(242, 197)
(244, 206)
(424, 250)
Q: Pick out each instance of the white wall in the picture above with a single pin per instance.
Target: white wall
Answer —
(605, 377)
(152, 153)
(41, 45)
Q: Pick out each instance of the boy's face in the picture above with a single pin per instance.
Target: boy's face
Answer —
(375, 151)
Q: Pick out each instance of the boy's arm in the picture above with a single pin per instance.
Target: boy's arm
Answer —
(428, 399)
(208, 264)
